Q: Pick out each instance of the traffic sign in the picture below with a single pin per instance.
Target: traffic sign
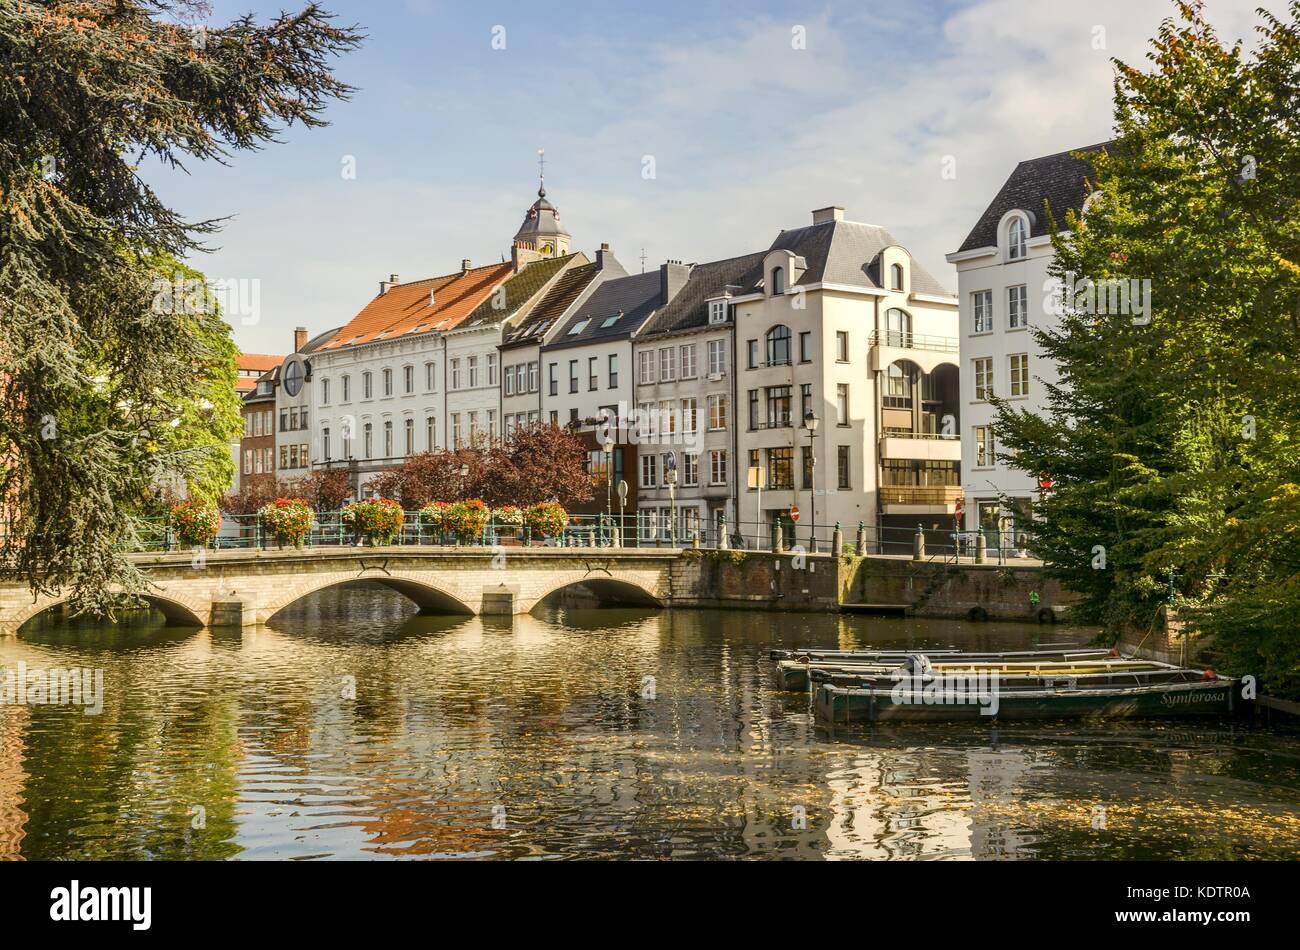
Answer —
(794, 512)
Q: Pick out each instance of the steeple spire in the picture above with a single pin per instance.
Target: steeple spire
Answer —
(541, 173)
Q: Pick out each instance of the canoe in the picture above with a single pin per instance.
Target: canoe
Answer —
(791, 672)
(1210, 695)
(867, 656)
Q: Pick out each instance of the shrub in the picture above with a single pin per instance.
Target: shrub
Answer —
(434, 516)
(508, 516)
(467, 519)
(288, 519)
(378, 520)
(547, 518)
(194, 523)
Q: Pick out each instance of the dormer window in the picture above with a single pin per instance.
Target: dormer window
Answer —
(778, 280)
(896, 277)
(1016, 239)
(718, 310)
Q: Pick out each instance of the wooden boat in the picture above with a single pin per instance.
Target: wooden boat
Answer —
(792, 667)
(1119, 694)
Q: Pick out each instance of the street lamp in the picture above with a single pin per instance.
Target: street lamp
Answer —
(672, 503)
(608, 446)
(810, 422)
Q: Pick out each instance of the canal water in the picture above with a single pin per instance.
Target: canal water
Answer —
(349, 728)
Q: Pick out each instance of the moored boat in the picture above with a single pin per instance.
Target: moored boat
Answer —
(791, 670)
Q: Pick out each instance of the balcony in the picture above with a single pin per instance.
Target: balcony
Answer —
(927, 352)
(923, 446)
(919, 499)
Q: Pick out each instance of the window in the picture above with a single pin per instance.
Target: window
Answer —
(805, 347)
(428, 378)
(258, 457)
(325, 443)
(983, 377)
(667, 419)
(645, 420)
(431, 432)
(780, 468)
(573, 416)
(778, 407)
(510, 383)
(805, 399)
(1018, 378)
(778, 280)
(573, 376)
(455, 430)
(984, 447)
(778, 346)
(248, 425)
(896, 277)
(645, 367)
(532, 377)
(284, 420)
(667, 364)
(257, 424)
(718, 310)
(388, 439)
(492, 424)
(473, 427)
(347, 388)
(898, 388)
(688, 361)
(288, 459)
(613, 371)
(388, 382)
(492, 369)
(553, 384)
(690, 470)
(455, 374)
(324, 392)
(717, 466)
(248, 461)
(649, 523)
(1017, 307)
(842, 346)
(717, 357)
(690, 412)
(473, 372)
(841, 404)
(753, 354)
(718, 411)
(367, 386)
(593, 378)
(843, 467)
(982, 311)
(753, 409)
(368, 440)
(649, 471)
(579, 327)
(302, 418)
(898, 327)
(408, 432)
(1016, 239)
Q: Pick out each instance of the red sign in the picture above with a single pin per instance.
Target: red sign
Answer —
(1045, 482)
(794, 512)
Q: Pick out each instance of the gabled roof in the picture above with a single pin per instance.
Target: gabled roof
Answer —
(552, 307)
(689, 309)
(1060, 181)
(422, 306)
(519, 289)
(614, 310)
(845, 252)
(258, 361)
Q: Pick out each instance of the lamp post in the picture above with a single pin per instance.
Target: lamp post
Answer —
(810, 422)
(608, 446)
(672, 504)
(622, 510)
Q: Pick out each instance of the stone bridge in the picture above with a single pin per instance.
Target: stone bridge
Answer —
(243, 588)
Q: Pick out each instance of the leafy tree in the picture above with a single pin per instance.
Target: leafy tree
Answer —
(89, 368)
(1174, 444)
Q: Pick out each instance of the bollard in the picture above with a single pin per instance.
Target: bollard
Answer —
(918, 545)
(862, 539)
(722, 534)
(981, 548)
(695, 541)
(778, 538)
(837, 541)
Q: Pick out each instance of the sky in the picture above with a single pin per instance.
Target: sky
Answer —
(689, 131)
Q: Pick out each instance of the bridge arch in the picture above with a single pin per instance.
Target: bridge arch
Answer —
(427, 597)
(607, 589)
(177, 613)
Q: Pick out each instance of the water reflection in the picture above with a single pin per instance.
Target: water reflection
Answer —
(353, 728)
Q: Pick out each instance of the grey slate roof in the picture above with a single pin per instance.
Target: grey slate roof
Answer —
(636, 297)
(845, 252)
(689, 309)
(319, 339)
(1060, 180)
(553, 306)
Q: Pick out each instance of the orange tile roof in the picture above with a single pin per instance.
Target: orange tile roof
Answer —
(259, 361)
(405, 309)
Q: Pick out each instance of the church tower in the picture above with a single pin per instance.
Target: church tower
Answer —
(541, 231)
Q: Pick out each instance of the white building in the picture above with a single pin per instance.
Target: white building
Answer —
(845, 388)
(1003, 283)
(294, 406)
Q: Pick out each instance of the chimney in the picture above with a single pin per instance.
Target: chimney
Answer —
(464, 265)
(299, 338)
(603, 256)
(386, 285)
(827, 215)
(672, 278)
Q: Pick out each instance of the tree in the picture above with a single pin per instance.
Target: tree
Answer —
(325, 489)
(1174, 443)
(89, 365)
(546, 463)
